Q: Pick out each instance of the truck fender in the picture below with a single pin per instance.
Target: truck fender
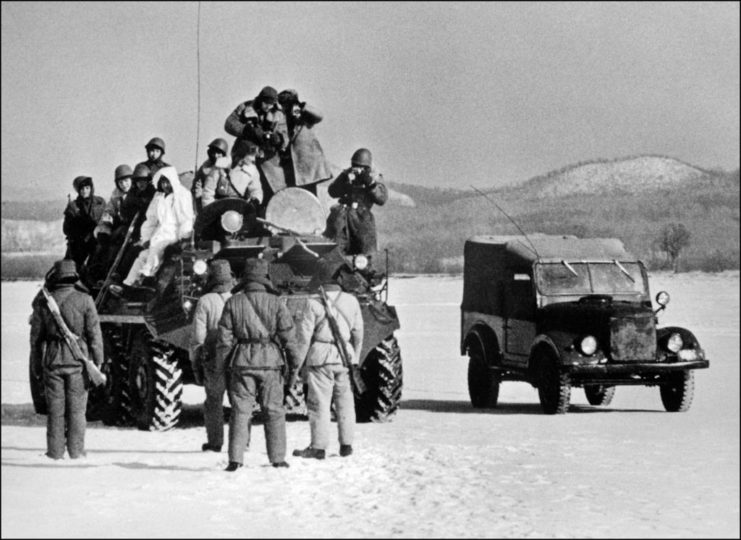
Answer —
(489, 342)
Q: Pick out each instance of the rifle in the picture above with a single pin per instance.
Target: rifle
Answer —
(104, 289)
(356, 380)
(293, 233)
(96, 376)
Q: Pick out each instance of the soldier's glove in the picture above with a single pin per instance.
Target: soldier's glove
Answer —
(366, 179)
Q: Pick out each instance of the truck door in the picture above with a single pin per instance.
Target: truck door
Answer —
(519, 312)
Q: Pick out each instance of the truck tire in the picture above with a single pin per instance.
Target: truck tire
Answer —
(110, 403)
(383, 376)
(155, 384)
(483, 382)
(599, 394)
(676, 395)
(554, 386)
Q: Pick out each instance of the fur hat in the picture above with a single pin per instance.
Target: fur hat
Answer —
(82, 181)
(220, 276)
(268, 95)
(256, 271)
(64, 270)
(325, 273)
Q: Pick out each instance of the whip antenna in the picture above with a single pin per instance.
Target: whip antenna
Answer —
(508, 217)
(198, 78)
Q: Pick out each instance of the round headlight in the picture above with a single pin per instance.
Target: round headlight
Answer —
(662, 298)
(674, 343)
(231, 221)
(588, 345)
(361, 262)
(200, 267)
(187, 305)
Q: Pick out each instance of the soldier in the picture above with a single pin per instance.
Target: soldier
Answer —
(351, 223)
(65, 383)
(261, 122)
(243, 181)
(328, 380)
(254, 328)
(207, 366)
(80, 219)
(304, 163)
(155, 150)
(210, 173)
(138, 199)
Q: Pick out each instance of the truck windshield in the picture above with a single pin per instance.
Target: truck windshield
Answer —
(575, 278)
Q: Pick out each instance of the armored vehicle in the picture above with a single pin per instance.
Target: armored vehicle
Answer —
(147, 339)
(560, 312)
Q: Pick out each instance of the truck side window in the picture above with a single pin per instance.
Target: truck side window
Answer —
(519, 300)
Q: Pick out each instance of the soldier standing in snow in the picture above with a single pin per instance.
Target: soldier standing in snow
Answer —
(208, 367)
(65, 383)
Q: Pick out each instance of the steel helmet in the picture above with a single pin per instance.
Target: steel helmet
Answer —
(221, 145)
(122, 172)
(268, 95)
(142, 172)
(361, 158)
(156, 142)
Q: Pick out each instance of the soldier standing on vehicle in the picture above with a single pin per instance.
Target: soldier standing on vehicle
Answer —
(80, 219)
(255, 328)
(65, 383)
(261, 122)
(243, 181)
(328, 380)
(137, 201)
(210, 173)
(351, 223)
(304, 163)
(208, 367)
(155, 150)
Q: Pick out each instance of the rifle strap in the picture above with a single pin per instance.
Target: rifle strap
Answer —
(64, 329)
(334, 310)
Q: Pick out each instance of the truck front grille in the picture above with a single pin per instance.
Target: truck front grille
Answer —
(633, 339)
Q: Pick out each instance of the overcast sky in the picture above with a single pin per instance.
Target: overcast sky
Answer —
(444, 94)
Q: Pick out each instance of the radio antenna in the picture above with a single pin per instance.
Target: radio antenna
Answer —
(508, 217)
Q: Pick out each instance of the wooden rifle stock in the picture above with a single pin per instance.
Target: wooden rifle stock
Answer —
(71, 339)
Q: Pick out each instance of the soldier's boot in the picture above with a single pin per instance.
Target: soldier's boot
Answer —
(233, 466)
(210, 447)
(345, 450)
(281, 464)
(310, 452)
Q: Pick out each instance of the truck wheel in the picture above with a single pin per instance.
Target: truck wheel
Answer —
(110, 403)
(599, 394)
(676, 395)
(155, 384)
(483, 382)
(383, 376)
(554, 387)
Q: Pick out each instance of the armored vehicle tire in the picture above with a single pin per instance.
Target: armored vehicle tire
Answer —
(554, 386)
(110, 402)
(155, 384)
(599, 394)
(383, 376)
(677, 394)
(483, 382)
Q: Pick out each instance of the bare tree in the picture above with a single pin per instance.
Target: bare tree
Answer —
(673, 238)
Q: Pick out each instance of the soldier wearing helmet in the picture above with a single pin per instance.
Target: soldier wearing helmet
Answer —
(155, 150)
(351, 223)
(134, 205)
(210, 173)
(261, 122)
(80, 219)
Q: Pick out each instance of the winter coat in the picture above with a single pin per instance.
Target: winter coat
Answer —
(112, 213)
(315, 334)
(81, 216)
(307, 157)
(206, 322)
(243, 182)
(351, 223)
(169, 216)
(246, 123)
(137, 201)
(255, 326)
(209, 176)
(48, 348)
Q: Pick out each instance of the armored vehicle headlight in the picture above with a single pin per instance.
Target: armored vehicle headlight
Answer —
(674, 343)
(588, 345)
(200, 267)
(361, 262)
(187, 305)
(231, 221)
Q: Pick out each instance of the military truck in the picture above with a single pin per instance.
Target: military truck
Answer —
(560, 312)
(147, 338)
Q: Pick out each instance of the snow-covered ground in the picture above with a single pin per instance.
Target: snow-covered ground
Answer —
(440, 468)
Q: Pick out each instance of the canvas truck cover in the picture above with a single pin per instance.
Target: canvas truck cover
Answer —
(491, 261)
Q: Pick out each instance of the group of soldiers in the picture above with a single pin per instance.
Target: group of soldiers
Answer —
(244, 339)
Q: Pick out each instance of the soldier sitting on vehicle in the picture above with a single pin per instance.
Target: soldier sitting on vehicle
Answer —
(351, 223)
(80, 219)
(155, 150)
(243, 180)
(210, 174)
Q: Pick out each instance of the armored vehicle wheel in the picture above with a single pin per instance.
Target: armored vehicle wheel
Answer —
(677, 394)
(554, 386)
(155, 382)
(483, 382)
(382, 374)
(110, 403)
(599, 394)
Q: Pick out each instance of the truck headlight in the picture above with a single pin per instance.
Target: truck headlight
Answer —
(588, 345)
(674, 343)
(200, 267)
(360, 262)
